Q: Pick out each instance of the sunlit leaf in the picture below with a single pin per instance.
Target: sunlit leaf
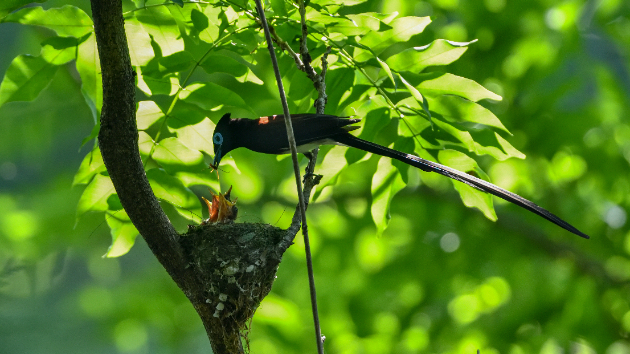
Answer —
(470, 196)
(439, 52)
(65, 21)
(89, 67)
(211, 33)
(339, 2)
(198, 136)
(331, 165)
(449, 84)
(279, 7)
(210, 95)
(387, 70)
(458, 109)
(123, 234)
(59, 50)
(95, 195)
(385, 184)
(338, 83)
(25, 78)
(7, 6)
(139, 43)
(159, 23)
(91, 165)
(171, 189)
(348, 27)
(418, 97)
(173, 156)
(145, 144)
(148, 113)
(402, 29)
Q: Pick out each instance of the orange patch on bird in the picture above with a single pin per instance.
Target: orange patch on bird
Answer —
(221, 208)
(263, 120)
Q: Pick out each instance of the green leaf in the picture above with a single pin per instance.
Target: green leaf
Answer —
(387, 71)
(210, 95)
(185, 114)
(139, 43)
(8, 6)
(159, 23)
(339, 2)
(25, 78)
(402, 29)
(385, 184)
(59, 50)
(148, 113)
(198, 136)
(95, 195)
(221, 62)
(171, 189)
(279, 7)
(418, 97)
(178, 2)
(463, 136)
(349, 27)
(458, 109)
(439, 52)
(332, 164)
(211, 33)
(91, 165)
(177, 62)
(145, 144)
(173, 156)
(89, 68)
(299, 86)
(472, 198)
(199, 20)
(65, 21)
(123, 234)
(338, 84)
(449, 84)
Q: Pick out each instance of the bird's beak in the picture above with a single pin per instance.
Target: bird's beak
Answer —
(217, 158)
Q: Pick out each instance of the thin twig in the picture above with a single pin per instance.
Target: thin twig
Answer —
(298, 179)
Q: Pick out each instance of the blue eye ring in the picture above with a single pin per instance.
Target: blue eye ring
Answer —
(217, 139)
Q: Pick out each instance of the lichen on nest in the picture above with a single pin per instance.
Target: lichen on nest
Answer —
(236, 263)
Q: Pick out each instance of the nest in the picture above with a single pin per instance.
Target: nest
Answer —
(237, 264)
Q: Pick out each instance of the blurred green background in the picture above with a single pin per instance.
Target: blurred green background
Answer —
(441, 279)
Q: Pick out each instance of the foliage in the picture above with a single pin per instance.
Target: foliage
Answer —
(374, 72)
(440, 278)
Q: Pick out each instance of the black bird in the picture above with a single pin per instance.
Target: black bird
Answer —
(268, 135)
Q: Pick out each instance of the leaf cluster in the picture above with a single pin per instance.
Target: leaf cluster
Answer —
(197, 61)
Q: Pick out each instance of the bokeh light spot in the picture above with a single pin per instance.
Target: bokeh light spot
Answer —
(415, 339)
(555, 18)
(494, 5)
(96, 302)
(19, 225)
(449, 242)
(130, 335)
(615, 216)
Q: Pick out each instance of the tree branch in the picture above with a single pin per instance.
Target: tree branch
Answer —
(118, 141)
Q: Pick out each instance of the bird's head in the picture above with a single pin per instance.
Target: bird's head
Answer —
(221, 139)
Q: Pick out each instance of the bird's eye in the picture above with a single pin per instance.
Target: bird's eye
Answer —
(217, 138)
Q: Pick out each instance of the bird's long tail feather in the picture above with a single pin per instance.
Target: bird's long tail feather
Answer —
(430, 166)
